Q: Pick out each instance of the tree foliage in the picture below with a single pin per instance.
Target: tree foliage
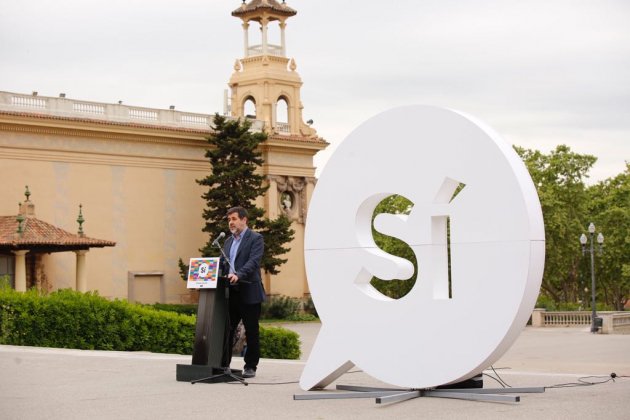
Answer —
(560, 180)
(609, 209)
(394, 204)
(568, 206)
(235, 157)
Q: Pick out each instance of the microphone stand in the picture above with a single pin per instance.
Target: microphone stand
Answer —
(216, 243)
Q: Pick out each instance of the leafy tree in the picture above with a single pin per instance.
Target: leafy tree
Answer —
(609, 209)
(559, 177)
(235, 181)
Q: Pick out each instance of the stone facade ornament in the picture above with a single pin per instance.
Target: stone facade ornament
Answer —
(292, 200)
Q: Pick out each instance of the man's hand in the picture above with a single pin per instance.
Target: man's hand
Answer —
(233, 278)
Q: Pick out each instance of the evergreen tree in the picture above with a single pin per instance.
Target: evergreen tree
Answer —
(235, 157)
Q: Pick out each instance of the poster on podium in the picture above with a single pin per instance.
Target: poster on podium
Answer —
(203, 273)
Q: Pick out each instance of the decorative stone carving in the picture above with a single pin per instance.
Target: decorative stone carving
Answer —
(291, 196)
(286, 202)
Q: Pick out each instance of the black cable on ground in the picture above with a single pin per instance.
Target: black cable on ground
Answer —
(280, 383)
(500, 380)
(581, 381)
(598, 380)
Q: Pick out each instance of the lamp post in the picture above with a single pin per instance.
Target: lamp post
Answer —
(591, 250)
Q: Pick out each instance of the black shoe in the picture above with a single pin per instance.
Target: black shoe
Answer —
(249, 373)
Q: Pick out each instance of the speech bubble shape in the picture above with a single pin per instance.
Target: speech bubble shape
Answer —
(435, 334)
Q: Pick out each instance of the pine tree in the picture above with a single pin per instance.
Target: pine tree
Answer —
(234, 155)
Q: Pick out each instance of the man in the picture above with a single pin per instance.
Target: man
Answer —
(245, 250)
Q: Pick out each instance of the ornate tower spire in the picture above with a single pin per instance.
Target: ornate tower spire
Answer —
(265, 85)
(80, 221)
(27, 208)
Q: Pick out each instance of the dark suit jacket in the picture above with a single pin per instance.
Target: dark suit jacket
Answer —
(247, 266)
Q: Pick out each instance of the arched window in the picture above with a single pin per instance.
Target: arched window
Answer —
(282, 116)
(249, 108)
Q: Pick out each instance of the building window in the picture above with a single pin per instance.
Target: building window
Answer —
(282, 116)
(7, 267)
(249, 108)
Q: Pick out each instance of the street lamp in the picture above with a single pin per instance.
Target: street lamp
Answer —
(591, 250)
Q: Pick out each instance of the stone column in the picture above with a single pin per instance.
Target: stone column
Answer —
(282, 43)
(607, 323)
(538, 317)
(81, 278)
(246, 39)
(20, 270)
(272, 198)
(264, 22)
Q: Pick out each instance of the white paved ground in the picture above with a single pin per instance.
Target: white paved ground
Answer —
(38, 383)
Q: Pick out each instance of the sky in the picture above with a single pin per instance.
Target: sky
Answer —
(540, 72)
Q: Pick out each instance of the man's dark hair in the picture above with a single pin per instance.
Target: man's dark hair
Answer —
(238, 209)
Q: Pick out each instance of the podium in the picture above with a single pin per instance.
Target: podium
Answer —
(211, 336)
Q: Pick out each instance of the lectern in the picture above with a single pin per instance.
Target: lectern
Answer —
(211, 335)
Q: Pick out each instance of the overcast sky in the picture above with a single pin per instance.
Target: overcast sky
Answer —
(541, 72)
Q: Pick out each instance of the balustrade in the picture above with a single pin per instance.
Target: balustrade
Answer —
(613, 322)
(143, 114)
(283, 128)
(88, 108)
(119, 113)
(28, 102)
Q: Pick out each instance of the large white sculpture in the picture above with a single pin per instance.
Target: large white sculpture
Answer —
(431, 336)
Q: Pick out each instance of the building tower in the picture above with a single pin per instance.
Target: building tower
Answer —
(265, 86)
(264, 80)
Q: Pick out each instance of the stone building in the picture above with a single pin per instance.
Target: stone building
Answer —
(134, 169)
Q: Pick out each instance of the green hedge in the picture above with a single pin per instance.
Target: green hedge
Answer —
(70, 319)
(185, 309)
(279, 343)
(75, 320)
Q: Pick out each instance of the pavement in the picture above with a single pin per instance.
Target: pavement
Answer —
(44, 383)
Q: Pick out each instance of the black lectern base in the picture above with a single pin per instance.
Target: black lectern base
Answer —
(207, 374)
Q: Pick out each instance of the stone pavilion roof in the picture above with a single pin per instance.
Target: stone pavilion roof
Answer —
(25, 232)
(39, 235)
(264, 5)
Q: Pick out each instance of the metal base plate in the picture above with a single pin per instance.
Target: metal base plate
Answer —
(390, 395)
(193, 373)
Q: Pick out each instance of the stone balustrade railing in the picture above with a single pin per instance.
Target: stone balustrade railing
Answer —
(617, 323)
(65, 107)
(612, 322)
(271, 50)
(283, 128)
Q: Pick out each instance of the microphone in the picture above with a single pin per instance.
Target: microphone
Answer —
(216, 241)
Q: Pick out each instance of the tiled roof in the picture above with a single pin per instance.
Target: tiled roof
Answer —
(39, 234)
(272, 5)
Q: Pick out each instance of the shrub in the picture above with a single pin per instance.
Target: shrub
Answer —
(302, 317)
(70, 319)
(280, 307)
(279, 343)
(5, 282)
(185, 309)
(309, 307)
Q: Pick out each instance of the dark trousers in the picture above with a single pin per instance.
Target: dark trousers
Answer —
(249, 314)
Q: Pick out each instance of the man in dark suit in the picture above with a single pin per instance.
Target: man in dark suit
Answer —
(245, 250)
